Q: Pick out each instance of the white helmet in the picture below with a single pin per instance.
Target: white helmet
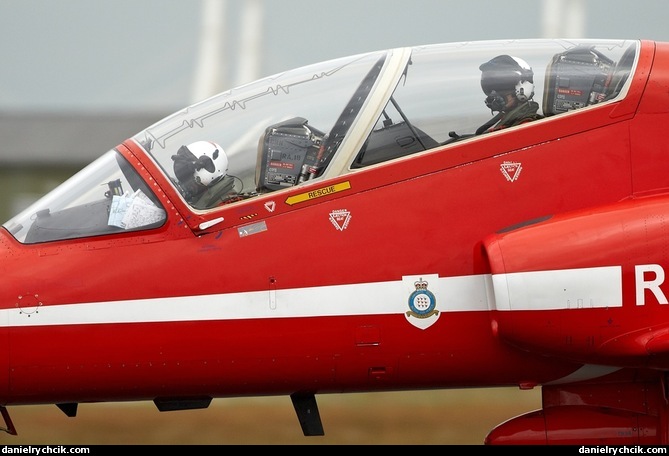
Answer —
(211, 162)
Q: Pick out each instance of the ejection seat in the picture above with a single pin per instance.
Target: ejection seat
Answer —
(576, 78)
(584, 76)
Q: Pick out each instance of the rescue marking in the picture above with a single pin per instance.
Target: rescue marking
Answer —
(318, 193)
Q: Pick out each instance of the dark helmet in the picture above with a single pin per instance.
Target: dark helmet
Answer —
(506, 74)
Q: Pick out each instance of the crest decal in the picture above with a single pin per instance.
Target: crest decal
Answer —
(422, 304)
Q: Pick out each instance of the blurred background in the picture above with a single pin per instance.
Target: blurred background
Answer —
(79, 77)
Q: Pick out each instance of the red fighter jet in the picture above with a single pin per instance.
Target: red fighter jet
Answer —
(461, 215)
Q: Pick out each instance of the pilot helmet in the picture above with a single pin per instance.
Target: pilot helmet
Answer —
(211, 162)
(505, 74)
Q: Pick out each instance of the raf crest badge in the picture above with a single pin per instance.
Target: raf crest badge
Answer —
(422, 311)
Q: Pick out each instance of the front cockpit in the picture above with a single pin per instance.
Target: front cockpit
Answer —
(106, 197)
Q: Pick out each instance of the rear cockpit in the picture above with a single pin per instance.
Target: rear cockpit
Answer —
(335, 117)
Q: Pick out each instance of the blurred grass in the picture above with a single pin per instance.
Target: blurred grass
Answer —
(440, 417)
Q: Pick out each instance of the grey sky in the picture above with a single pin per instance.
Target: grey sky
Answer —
(142, 54)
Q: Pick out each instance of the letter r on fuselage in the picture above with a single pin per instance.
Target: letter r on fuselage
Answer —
(653, 284)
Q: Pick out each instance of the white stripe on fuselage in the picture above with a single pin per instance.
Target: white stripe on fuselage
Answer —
(595, 287)
(453, 294)
(559, 289)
